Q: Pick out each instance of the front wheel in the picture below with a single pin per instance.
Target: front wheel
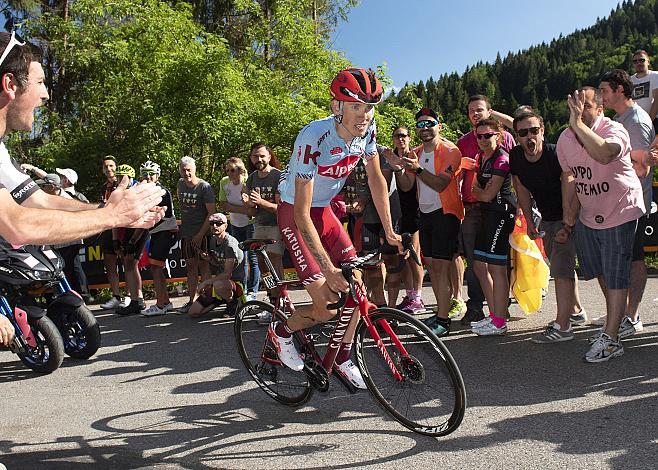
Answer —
(80, 330)
(429, 397)
(48, 354)
(259, 355)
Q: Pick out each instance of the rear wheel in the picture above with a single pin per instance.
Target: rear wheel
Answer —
(80, 330)
(430, 398)
(48, 354)
(259, 356)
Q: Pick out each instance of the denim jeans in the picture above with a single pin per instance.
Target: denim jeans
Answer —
(251, 277)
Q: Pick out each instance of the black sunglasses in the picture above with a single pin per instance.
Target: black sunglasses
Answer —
(217, 224)
(532, 130)
(400, 136)
(487, 135)
(425, 124)
(639, 61)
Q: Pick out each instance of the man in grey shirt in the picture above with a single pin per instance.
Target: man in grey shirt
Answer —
(227, 259)
(616, 90)
(197, 202)
(262, 192)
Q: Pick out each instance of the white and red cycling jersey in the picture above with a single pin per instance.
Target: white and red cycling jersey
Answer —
(321, 155)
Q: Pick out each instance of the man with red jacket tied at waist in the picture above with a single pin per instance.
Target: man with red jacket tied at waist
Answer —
(434, 165)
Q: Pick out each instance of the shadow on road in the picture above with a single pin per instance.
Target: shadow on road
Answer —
(499, 372)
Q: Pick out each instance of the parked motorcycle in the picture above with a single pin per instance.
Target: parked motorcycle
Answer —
(29, 275)
(37, 341)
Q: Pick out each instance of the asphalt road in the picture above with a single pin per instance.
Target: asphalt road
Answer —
(170, 392)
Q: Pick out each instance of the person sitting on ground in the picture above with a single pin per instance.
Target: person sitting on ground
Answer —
(227, 260)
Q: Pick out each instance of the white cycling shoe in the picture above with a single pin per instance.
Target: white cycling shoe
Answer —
(352, 373)
(285, 348)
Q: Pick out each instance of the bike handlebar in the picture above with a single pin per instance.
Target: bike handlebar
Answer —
(348, 266)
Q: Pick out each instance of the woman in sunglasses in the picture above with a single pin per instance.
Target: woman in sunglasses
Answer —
(241, 222)
(493, 188)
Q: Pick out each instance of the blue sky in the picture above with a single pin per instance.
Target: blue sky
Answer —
(422, 38)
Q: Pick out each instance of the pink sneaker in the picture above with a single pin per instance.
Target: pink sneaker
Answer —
(414, 306)
(404, 304)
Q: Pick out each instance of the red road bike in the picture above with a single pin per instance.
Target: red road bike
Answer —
(406, 368)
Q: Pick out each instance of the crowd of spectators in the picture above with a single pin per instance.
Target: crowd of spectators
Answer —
(458, 200)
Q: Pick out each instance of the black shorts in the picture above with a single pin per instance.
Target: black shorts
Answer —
(139, 244)
(438, 234)
(372, 235)
(638, 241)
(492, 239)
(106, 242)
(161, 243)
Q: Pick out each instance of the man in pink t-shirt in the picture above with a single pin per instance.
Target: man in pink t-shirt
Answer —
(603, 192)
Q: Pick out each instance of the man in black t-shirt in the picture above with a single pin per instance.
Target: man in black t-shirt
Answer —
(537, 174)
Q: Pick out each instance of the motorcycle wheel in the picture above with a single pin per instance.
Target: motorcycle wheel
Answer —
(48, 354)
(80, 331)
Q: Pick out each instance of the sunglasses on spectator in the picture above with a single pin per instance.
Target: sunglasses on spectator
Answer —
(426, 123)
(15, 40)
(487, 135)
(400, 136)
(234, 169)
(639, 61)
(147, 173)
(532, 130)
(217, 224)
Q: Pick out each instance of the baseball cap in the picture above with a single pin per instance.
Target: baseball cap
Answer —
(427, 112)
(70, 174)
(217, 217)
(50, 178)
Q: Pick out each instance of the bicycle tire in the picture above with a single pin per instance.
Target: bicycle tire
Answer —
(431, 398)
(285, 385)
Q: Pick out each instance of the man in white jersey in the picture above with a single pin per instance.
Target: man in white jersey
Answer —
(325, 153)
(645, 84)
(27, 214)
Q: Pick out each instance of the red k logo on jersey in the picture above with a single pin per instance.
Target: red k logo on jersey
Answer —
(341, 169)
(308, 155)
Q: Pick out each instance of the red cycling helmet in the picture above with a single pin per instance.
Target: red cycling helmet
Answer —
(357, 85)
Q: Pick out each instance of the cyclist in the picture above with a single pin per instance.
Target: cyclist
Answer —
(27, 214)
(325, 153)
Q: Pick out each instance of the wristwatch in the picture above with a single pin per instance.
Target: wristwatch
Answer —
(419, 170)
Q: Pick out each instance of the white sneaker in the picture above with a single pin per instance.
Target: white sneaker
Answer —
(352, 373)
(489, 329)
(285, 348)
(112, 304)
(628, 327)
(126, 301)
(251, 296)
(479, 323)
(154, 311)
(168, 307)
(604, 349)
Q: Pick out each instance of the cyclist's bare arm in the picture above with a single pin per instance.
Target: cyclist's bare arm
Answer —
(379, 195)
(25, 225)
(302, 211)
(43, 200)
